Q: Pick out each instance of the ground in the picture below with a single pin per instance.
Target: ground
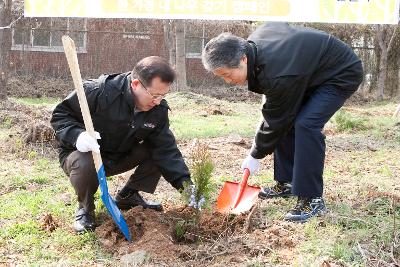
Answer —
(361, 191)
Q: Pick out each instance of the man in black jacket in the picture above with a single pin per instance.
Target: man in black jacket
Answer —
(130, 116)
(305, 75)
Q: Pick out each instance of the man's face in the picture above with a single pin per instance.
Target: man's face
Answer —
(234, 75)
(147, 97)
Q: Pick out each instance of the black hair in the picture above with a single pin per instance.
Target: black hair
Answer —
(150, 67)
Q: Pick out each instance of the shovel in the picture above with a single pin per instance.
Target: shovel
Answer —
(237, 197)
(72, 58)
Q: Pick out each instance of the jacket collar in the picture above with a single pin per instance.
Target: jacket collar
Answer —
(252, 68)
(129, 96)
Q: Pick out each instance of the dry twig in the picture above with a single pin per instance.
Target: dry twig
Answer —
(248, 219)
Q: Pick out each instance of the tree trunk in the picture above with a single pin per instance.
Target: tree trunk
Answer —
(364, 55)
(169, 41)
(5, 45)
(375, 70)
(398, 76)
(180, 54)
(382, 74)
(385, 36)
(397, 112)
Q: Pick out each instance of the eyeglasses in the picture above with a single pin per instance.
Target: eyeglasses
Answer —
(155, 97)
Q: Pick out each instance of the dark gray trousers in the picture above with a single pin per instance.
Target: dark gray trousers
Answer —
(299, 157)
(80, 168)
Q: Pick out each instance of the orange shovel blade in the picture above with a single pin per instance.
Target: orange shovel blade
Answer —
(228, 196)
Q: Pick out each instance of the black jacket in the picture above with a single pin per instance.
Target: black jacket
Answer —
(111, 105)
(287, 64)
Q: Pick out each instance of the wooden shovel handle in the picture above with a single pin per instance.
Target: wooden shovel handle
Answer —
(72, 58)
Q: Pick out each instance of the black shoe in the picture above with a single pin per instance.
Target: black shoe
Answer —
(306, 208)
(84, 221)
(133, 199)
(278, 190)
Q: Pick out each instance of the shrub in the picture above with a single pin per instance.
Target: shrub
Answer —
(346, 122)
(201, 167)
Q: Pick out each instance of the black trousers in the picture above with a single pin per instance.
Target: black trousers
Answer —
(299, 157)
(82, 173)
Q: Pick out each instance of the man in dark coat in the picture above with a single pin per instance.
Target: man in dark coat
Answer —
(306, 75)
(130, 116)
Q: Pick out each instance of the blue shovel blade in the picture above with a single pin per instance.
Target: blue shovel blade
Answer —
(110, 204)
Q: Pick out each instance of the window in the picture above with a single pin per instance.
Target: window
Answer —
(44, 34)
(195, 40)
(137, 29)
(137, 26)
(194, 46)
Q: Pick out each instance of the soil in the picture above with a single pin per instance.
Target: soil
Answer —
(217, 235)
(21, 115)
(30, 86)
(29, 128)
(229, 93)
(48, 223)
(155, 232)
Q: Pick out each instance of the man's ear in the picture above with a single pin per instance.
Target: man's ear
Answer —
(134, 84)
(244, 59)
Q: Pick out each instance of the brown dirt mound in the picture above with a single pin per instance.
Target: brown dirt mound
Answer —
(22, 114)
(48, 223)
(32, 86)
(229, 93)
(154, 232)
(30, 129)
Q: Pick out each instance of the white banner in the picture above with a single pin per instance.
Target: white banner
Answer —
(333, 11)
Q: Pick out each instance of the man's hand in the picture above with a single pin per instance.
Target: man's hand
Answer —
(193, 203)
(86, 142)
(251, 163)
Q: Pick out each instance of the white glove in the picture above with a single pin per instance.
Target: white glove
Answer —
(251, 163)
(86, 142)
(193, 203)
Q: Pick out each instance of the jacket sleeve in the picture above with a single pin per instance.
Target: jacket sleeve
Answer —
(284, 98)
(67, 120)
(167, 156)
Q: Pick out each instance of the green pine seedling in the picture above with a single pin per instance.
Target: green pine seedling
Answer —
(201, 168)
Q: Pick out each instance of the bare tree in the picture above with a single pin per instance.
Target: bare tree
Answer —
(398, 75)
(5, 44)
(169, 42)
(180, 54)
(397, 112)
(385, 36)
